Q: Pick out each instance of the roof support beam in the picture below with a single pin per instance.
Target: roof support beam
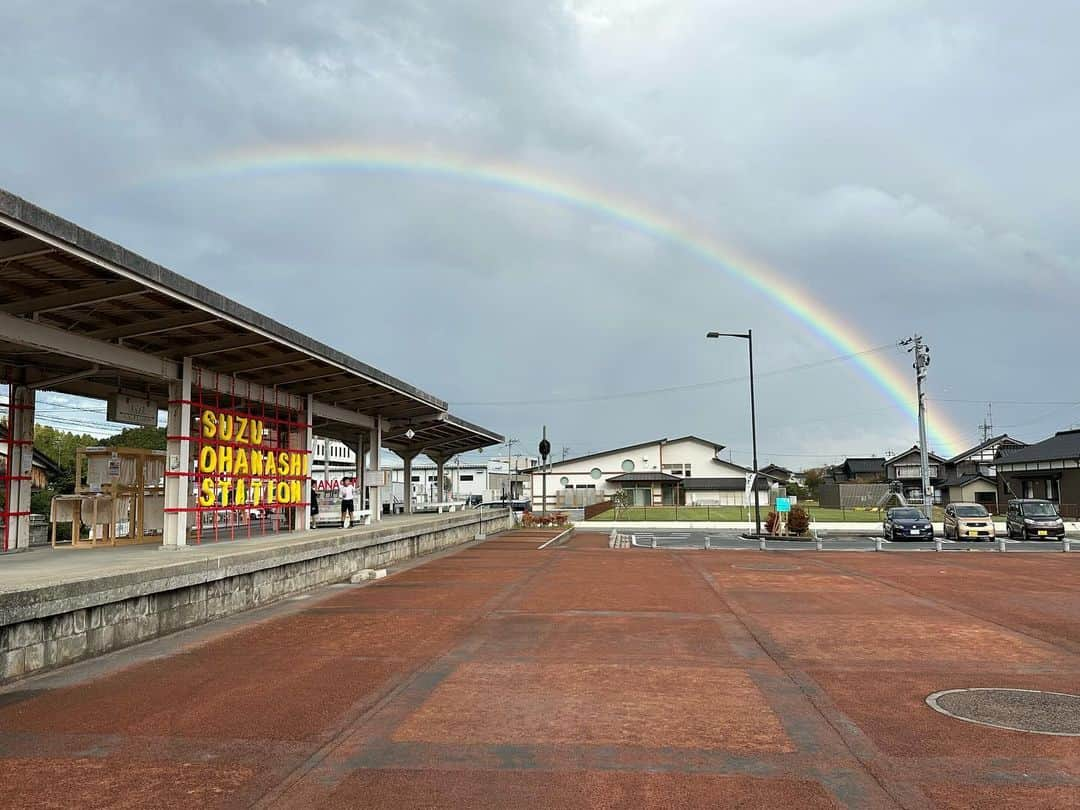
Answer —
(93, 294)
(225, 345)
(25, 332)
(23, 248)
(324, 410)
(260, 363)
(153, 326)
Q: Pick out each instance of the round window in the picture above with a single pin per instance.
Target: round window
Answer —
(564, 481)
(595, 473)
(628, 466)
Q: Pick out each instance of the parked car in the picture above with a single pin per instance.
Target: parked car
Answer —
(1030, 519)
(906, 523)
(968, 521)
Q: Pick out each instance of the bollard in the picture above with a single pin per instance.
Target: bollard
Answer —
(1001, 544)
(708, 543)
(1066, 544)
(761, 544)
(654, 542)
(937, 544)
(818, 544)
(614, 539)
(879, 544)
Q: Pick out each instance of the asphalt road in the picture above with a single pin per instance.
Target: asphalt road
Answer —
(731, 540)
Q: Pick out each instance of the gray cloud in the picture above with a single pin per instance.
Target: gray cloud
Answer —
(910, 165)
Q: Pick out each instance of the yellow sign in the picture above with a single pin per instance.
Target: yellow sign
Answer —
(240, 470)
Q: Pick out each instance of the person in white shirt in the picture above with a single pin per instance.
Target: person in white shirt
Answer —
(348, 493)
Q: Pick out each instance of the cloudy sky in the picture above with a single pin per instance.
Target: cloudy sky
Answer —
(910, 166)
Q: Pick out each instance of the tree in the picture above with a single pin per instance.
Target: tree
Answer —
(60, 445)
(814, 479)
(146, 438)
(622, 499)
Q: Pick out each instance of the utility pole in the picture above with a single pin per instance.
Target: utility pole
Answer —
(509, 477)
(565, 452)
(545, 451)
(915, 345)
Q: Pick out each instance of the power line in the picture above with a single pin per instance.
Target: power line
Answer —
(675, 388)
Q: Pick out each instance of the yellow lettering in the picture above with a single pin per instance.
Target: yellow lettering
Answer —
(256, 462)
(240, 463)
(256, 431)
(225, 427)
(209, 424)
(207, 458)
(241, 492)
(241, 430)
(256, 492)
(225, 460)
(270, 493)
(296, 491)
(296, 464)
(283, 492)
(270, 464)
(283, 462)
(206, 496)
(226, 488)
(307, 464)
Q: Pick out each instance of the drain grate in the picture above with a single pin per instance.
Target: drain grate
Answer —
(1028, 710)
(765, 566)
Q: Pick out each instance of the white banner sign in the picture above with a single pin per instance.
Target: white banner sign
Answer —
(131, 410)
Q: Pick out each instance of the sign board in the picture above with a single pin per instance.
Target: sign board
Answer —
(131, 410)
(114, 466)
(783, 505)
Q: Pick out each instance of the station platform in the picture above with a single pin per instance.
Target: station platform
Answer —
(60, 605)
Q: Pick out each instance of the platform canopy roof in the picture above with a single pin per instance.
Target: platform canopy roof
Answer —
(82, 315)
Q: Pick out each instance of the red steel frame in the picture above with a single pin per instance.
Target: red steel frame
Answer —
(279, 427)
(7, 476)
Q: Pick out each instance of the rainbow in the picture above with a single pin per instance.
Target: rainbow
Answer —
(944, 437)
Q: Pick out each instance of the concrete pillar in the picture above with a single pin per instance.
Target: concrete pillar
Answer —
(361, 464)
(21, 450)
(307, 443)
(178, 479)
(407, 489)
(440, 467)
(375, 451)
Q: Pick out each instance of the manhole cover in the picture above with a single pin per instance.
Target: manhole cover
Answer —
(1014, 709)
(765, 566)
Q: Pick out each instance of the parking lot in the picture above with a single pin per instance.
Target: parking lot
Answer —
(505, 675)
(732, 539)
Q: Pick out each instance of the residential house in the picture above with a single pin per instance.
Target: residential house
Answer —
(1048, 469)
(972, 475)
(775, 471)
(41, 470)
(904, 471)
(859, 470)
(661, 472)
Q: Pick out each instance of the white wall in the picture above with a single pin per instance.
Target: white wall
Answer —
(701, 456)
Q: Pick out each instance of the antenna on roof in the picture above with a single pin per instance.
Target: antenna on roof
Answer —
(987, 427)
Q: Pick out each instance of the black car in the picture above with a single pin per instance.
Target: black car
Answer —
(906, 523)
(1031, 519)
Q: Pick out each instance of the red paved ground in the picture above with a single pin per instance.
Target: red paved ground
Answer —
(503, 676)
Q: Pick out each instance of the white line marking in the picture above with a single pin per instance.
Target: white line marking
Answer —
(556, 537)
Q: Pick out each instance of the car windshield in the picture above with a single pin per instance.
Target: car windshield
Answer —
(906, 514)
(1039, 510)
(971, 511)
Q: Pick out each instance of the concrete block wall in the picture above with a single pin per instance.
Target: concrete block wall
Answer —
(71, 631)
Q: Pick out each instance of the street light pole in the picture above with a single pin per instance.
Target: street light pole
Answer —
(748, 336)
